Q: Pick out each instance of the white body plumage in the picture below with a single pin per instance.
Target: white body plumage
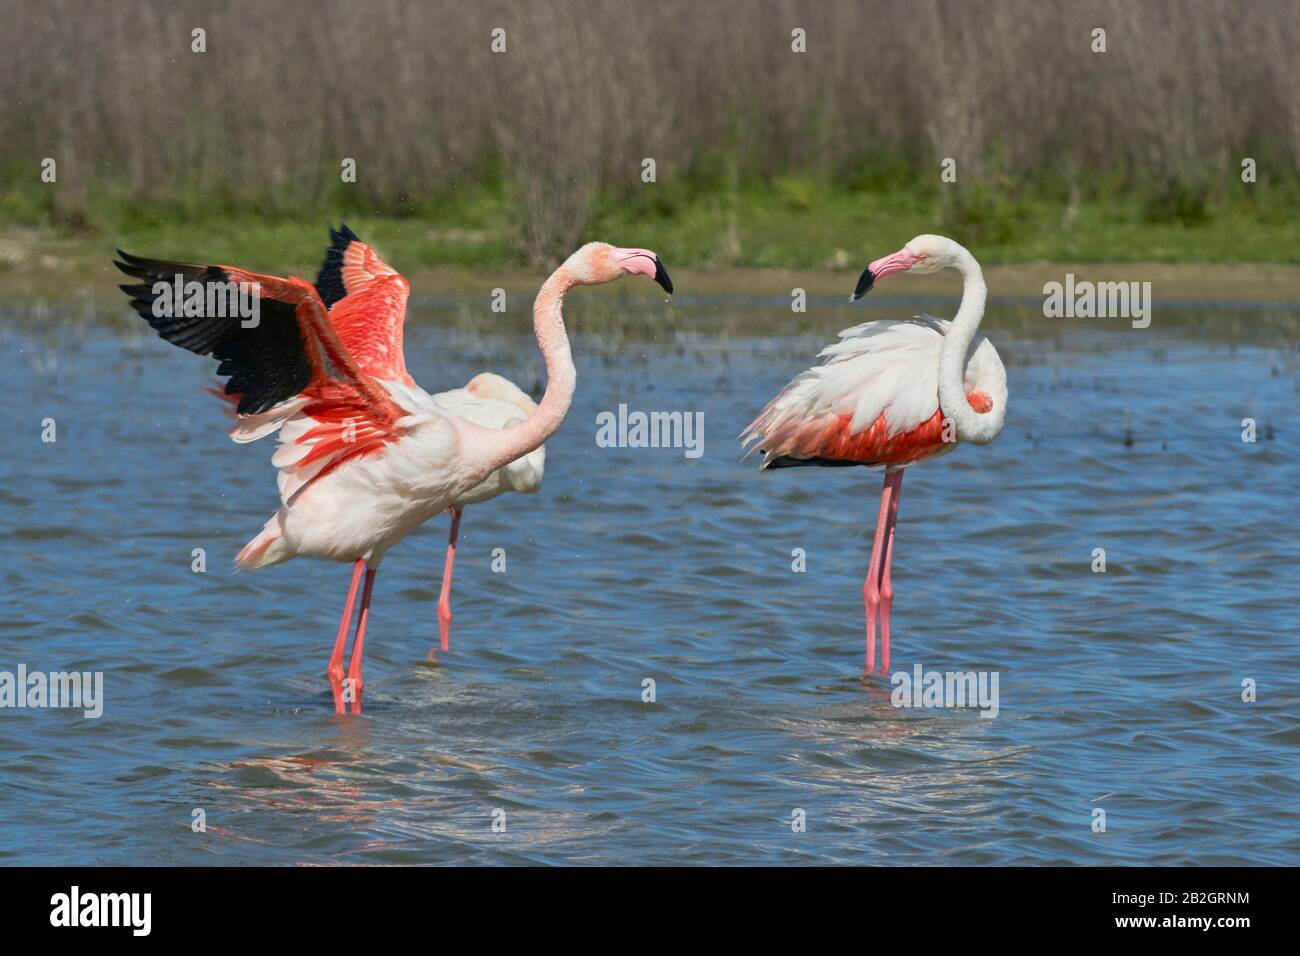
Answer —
(371, 502)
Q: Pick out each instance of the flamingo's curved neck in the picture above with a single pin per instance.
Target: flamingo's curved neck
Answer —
(561, 377)
(970, 425)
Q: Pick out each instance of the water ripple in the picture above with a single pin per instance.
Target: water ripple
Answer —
(1120, 691)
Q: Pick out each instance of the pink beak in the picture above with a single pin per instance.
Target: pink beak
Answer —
(900, 261)
(646, 263)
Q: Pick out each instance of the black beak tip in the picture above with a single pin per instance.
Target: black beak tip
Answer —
(661, 276)
(865, 282)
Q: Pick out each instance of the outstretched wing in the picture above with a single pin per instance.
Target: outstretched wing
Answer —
(291, 355)
(366, 299)
(264, 362)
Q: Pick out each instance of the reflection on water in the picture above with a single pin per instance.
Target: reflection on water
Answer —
(1119, 690)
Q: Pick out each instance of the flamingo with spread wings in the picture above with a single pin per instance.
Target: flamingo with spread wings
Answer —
(891, 394)
(362, 460)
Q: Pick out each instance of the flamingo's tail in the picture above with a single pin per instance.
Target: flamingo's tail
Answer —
(268, 548)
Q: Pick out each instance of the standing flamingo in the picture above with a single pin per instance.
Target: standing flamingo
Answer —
(890, 394)
(367, 300)
(362, 461)
(491, 402)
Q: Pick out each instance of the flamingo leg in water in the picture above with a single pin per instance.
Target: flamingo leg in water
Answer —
(886, 584)
(359, 645)
(444, 600)
(335, 668)
(871, 587)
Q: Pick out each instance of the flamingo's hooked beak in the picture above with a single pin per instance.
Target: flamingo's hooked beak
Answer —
(661, 276)
(900, 261)
(865, 282)
(640, 262)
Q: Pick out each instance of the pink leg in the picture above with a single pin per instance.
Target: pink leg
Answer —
(886, 584)
(871, 588)
(359, 646)
(335, 669)
(444, 601)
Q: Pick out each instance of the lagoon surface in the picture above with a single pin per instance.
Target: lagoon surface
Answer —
(1119, 691)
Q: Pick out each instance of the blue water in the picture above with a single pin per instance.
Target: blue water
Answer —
(1119, 690)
